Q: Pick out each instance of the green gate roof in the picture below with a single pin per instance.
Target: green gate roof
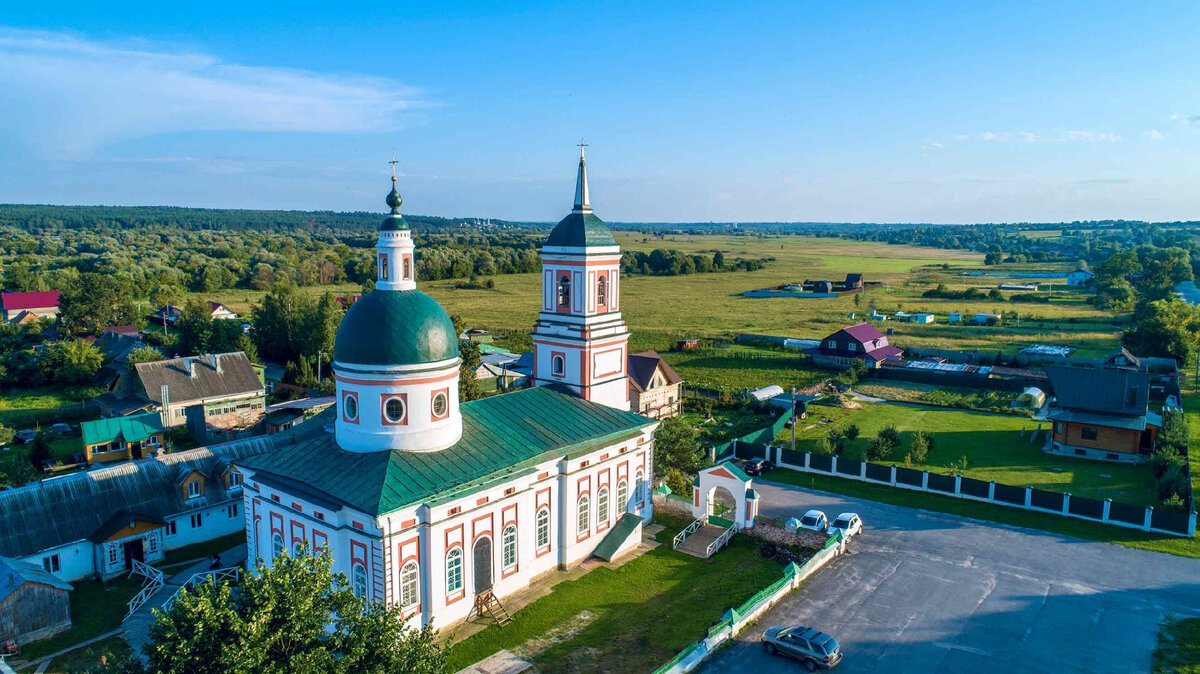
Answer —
(503, 436)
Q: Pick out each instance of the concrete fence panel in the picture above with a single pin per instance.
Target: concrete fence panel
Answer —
(942, 483)
(879, 472)
(1122, 512)
(821, 462)
(793, 457)
(909, 476)
(849, 466)
(1169, 521)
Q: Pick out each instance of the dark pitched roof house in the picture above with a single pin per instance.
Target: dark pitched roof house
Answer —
(642, 366)
(1123, 359)
(853, 281)
(859, 341)
(1107, 391)
(42, 299)
(199, 377)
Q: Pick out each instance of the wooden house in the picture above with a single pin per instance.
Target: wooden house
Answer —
(122, 438)
(220, 312)
(34, 604)
(1102, 412)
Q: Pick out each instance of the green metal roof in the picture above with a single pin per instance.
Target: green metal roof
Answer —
(132, 428)
(503, 436)
(395, 327)
(393, 223)
(618, 535)
(581, 229)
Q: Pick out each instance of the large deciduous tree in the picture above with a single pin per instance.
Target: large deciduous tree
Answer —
(1166, 328)
(297, 616)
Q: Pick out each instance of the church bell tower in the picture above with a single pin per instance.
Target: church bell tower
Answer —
(580, 340)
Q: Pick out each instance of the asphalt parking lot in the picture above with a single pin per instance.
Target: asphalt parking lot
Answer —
(927, 592)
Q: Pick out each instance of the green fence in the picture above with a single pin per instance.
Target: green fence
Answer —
(761, 436)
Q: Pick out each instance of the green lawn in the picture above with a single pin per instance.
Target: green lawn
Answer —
(992, 443)
(630, 619)
(80, 659)
(23, 407)
(741, 367)
(1178, 650)
(96, 608)
(1067, 526)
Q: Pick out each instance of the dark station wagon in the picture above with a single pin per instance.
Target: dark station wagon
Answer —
(814, 650)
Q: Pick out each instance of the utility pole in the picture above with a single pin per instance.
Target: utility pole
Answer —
(320, 359)
(793, 418)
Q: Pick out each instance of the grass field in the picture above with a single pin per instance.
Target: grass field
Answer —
(740, 367)
(81, 659)
(660, 309)
(1178, 650)
(992, 444)
(96, 608)
(629, 619)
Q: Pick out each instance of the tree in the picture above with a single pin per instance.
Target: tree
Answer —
(276, 323)
(143, 354)
(919, 446)
(246, 346)
(852, 432)
(718, 260)
(195, 326)
(1165, 328)
(297, 616)
(16, 473)
(39, 453)
(468, 383)
(71, 361)
(676, 446)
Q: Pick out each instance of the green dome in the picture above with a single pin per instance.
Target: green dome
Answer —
(578, 230)
(395, 327)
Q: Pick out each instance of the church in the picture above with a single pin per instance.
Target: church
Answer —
(444, 508)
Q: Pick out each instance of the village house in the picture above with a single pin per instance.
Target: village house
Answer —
(852, 282)
(34, 604)
(95, 524)
(1080, 277)
(122, 438)
(217, 396)
(22, 307)
(860, 342)
(116, 342)
(168, 314)
(220, 312)
(1103, 412)
(654, 388)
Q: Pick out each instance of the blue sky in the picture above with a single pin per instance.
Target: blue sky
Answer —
(692, 111)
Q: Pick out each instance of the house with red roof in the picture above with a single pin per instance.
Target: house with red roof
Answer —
(21, 307)
(857, 342)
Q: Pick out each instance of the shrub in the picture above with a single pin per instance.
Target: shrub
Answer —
(920, 444)
(890, 434)
(823, 446)
(879, 447)
(852, 432)
(1173, 503)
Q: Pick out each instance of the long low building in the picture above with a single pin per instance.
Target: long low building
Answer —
(96, 523)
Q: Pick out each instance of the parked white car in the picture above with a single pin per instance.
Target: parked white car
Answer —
(850, 525)
(814, 520)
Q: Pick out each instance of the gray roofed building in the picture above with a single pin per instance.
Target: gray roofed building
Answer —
(1102, 412)
(196, 378)
(33, 603)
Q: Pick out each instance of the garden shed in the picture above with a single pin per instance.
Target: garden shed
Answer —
(34, 604)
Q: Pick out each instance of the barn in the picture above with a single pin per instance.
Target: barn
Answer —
(34, 604)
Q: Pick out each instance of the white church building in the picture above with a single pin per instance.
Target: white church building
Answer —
(440, 507)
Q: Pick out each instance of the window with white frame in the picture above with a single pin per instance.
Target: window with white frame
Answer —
(358, 575)
(152, 544)
(231, 510)
(509, 546)
(543, 528)
(276, 545)
(297, 547)
(51, 564)
(409, 586)
(197, 520)
(622, 495)
(639, 489)
(172, 528)
(602, 291)
(235, 479)
(602, 506)
(558, 366)
(113, 554)
(454, 562)
(584, 514)
(193, 489)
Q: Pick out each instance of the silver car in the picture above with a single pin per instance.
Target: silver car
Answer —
(814, 650)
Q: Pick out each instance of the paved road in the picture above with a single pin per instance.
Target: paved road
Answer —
(927, 592)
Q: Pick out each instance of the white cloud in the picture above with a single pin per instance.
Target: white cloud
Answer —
(1092, 137)
(1153, 134)
(66, 95)
(1186, 120)
(1029, 137)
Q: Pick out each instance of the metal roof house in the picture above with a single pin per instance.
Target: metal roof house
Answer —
(653, 385)
(95, 523)
(860, 342)
(122, 438)
(1102, 413)
(19, 306)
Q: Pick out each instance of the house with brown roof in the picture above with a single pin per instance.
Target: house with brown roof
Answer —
(654, 388)
(860, 342)
(23, 307)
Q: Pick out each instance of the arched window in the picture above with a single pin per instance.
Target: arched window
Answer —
(454, 581)
(558, 365)
(584, 514)
(297, 547)
(543, 528)
(508, 546)
(564, 292)
(276, 545)
(622, 495)
(639, 489)
(383, 267)
(409, 592)
(602, 506)
(407, 269)
(358, 574)
(602, 291)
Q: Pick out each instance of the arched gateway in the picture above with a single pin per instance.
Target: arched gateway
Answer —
(715, 486)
